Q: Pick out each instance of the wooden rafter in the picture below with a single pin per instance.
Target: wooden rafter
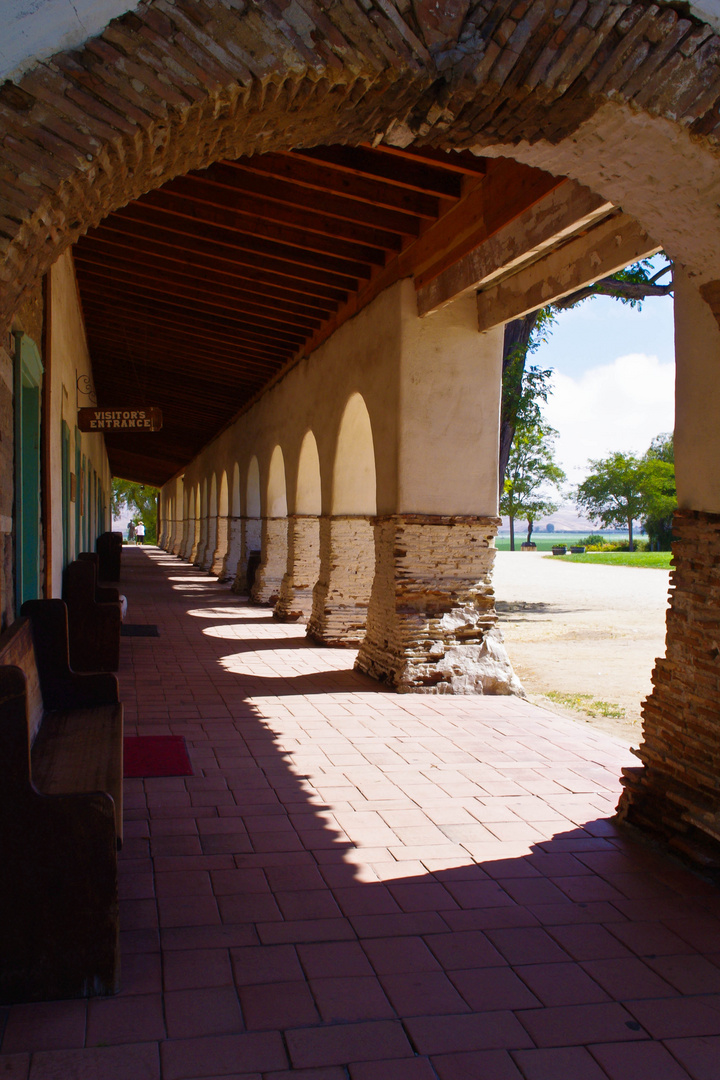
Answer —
(199, 294)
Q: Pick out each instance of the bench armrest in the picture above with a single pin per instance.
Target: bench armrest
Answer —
(63, 688)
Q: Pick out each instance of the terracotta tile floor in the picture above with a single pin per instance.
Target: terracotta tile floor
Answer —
(356, 885)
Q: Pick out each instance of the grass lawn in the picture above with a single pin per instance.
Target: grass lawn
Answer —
(656, 560)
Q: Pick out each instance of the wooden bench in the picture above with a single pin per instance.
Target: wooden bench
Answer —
(60, 815)
(94, 627)
(104, 594)
(109, 548)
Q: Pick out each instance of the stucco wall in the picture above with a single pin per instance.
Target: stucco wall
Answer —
(431, 388)
(69, 367)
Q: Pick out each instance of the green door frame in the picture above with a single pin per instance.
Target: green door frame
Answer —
(28, 376)
(66, 492)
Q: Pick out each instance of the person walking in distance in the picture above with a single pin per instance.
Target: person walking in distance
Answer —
(139, 533)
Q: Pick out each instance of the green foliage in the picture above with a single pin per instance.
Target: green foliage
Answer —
(141, 500)
(612, 494)
(588, 704)
(663, 499)
(623, 488)
(654, 560)
(531, 469)
(594, 540)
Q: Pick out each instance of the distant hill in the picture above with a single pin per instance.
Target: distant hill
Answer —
(565, 520)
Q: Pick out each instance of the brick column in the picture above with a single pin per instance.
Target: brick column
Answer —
(221, 545)
(188, 537)
(176, 540)
(342, 591)
(234, 548)
(250, 540)
(432, 625)
(266, 587)
(303, 568)
(676, 791)
(200, 541)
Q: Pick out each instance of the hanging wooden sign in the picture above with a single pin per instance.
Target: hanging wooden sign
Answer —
(120, 419)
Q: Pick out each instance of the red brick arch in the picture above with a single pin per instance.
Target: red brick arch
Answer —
(175, 86)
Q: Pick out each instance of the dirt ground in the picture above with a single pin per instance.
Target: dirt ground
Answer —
(575, 629)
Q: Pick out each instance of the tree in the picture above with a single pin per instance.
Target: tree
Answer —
(526, 334)
(612, 495)
(141, 498)
(660, 492)
(531, 467)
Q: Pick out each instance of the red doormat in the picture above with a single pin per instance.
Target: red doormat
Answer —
(156, 755)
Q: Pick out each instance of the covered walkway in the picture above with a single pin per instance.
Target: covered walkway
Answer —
(357, 884)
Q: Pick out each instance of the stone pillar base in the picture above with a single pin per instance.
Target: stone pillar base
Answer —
(234, 550)
(296, 590)
(217, 567)
(675, 794)
(342, 591)
(432, 625)
(270, 572)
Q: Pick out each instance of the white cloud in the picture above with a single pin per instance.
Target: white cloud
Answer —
(617, 406)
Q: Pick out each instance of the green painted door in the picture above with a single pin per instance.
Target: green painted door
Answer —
(28, 384)
(66, 492)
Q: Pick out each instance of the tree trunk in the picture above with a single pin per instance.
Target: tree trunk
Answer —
(515, 345)
(512, 532)
(630, 536)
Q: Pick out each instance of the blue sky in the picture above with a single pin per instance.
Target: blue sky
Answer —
(614, 379)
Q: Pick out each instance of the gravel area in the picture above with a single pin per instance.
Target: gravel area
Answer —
(577, 629)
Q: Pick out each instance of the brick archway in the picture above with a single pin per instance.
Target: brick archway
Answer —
(622, 97)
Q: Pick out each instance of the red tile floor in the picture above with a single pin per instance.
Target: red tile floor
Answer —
(358, 885)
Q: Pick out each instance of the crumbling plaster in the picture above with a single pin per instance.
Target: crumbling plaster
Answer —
(660, 174)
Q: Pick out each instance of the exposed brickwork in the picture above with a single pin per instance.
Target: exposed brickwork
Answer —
(170, 87)
(176, 540)
(200, 548)
(342, 592)
(296, 591)
(250, 540)
(677, 791)
(220, 548)
(234, 547)
(433, 607)
(266, 587)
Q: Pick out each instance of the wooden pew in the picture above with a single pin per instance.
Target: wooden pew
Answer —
(109, 548)
(94, 628)
(60, 815)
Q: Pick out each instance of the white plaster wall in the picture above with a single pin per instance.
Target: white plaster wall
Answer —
(70, 362)
(361, 357)
(450, 377)
(657, 172)
(697, 400)
(431, 390)
(32, 30)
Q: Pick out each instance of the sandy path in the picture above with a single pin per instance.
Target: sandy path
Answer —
(574, 628)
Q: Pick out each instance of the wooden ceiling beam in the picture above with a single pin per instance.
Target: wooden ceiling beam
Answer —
(172, 343)
(198, 187)
(145, 239)
(195, 398)
(456, 161)
(183, 227)
(156, 302)
(297, 183)
(241, 220)
(364, 161)
(149, 281)
(260, 350)
(99, 252)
